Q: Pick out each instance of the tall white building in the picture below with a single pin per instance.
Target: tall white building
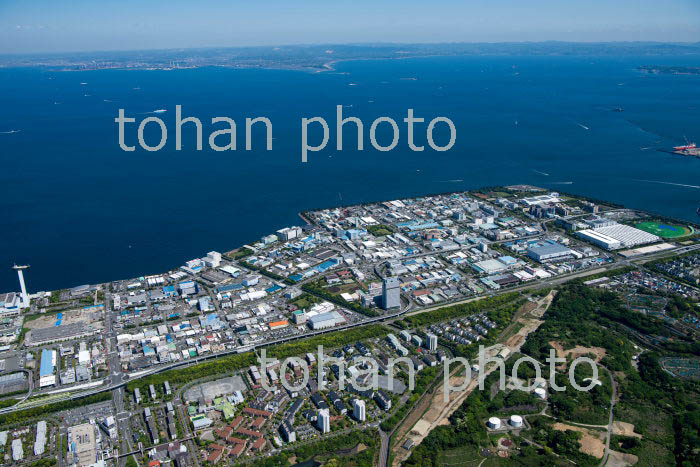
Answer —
(213, 259)
(324, 421)
(17, 450)
(40, 440)
(431, 341)
(391, 293)
(358, 410)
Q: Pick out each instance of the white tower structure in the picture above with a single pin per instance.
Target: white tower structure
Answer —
(25, 297)
(358, 410)
(324, 421)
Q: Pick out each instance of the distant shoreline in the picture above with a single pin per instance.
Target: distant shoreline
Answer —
(319, 58)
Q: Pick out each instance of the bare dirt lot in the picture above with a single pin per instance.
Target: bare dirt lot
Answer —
(66, 317)
(625, 429)
(621, 459)
(592, 442)
(576, 352)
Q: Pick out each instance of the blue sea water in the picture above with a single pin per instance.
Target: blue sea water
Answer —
(80, 210)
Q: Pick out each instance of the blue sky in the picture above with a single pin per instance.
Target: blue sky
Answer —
(80, 25)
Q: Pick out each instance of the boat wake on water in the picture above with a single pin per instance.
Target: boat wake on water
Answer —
(541, 173)
(456, 180)
(157, 111)
(561, 183)
(668, 183)
(10, 132)
(582, 126)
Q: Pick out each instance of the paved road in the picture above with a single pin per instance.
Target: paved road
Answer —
(613, 399)
(383, 448)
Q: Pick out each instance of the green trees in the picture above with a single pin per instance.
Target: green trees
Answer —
(338, 451)
(460, 310)
(27, 414)
(236, 362)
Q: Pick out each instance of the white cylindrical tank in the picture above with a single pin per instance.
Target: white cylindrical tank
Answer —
(540, 393)
(494, 423)
(516, 420)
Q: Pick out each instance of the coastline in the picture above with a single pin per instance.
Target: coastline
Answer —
(303, 215)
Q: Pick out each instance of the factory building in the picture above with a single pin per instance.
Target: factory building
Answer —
(213, 259)
(299, 317)
(47, 368)
(326, 320)
(64, 332)
(599, 239)
(613, 237)
(10, 304)
(289, 233)
(549, 251)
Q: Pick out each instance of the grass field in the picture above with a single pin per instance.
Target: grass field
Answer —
(664, 230)
(464, 456)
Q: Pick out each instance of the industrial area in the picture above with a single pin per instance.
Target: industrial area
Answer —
(109, 359)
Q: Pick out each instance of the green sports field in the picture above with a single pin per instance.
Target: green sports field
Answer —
(665, 230)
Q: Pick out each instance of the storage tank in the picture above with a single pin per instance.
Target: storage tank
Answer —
(494, 423)
(540, 393)
(516, 421)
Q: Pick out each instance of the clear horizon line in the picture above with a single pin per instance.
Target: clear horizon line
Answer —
(365, 44)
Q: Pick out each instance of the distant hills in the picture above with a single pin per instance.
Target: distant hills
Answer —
(319, 57)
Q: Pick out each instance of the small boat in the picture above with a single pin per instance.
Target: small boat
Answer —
(618, 109)
(698, 211)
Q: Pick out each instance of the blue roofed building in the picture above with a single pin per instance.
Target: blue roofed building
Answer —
(47, 368)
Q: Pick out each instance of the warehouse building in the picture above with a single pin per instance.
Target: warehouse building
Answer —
(60, 333)
(326, 320)
(12, 382)
(489, 266)
(549, 251)
(599, 239)
(47, 368)
(617, 236)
